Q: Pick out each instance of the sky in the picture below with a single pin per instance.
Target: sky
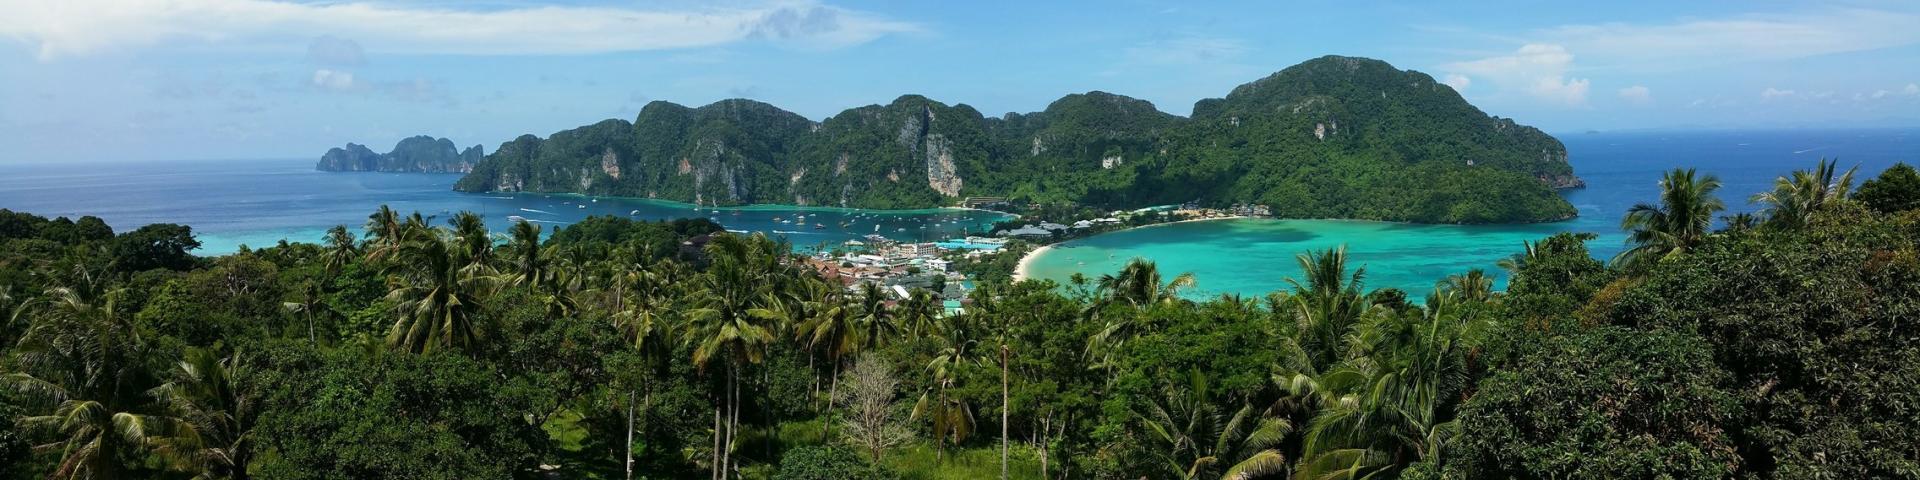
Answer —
(154, 80)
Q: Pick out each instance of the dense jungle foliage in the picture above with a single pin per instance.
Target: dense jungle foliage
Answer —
(1783, 345)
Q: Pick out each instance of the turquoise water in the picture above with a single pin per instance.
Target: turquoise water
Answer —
(258, 203)
(230, 203)
(1253, 257)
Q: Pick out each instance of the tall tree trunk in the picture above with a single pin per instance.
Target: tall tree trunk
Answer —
(766, 378)
(718, 432)
(833, 389)
(1005, 410)
(629, 464)
(1040, 440)
(733, 420)
(939, 434)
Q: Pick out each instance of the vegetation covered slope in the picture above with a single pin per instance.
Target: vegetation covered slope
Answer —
(413, 154)
(1331, 137)
(1780, 348)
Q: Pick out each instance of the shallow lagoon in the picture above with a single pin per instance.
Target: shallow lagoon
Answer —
(1253, 257)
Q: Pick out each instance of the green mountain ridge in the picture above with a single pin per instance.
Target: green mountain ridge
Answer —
(1333, 137)
(416, 154)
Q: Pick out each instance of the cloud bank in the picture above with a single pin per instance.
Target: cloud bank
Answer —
(1539, 70)
(80, 27)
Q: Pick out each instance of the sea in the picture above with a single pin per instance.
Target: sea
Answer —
(260, 202)
(1252, 257)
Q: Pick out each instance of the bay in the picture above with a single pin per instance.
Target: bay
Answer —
(1251, 257)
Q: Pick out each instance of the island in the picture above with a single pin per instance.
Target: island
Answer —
(416, 154)
(1333, 137)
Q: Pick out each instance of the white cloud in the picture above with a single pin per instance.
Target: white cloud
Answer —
(1637, 95)
(80, 27)
(1749, 37)
(1773, 93)
(1457, 81)
(332, 50)
(1539, 70)
(326, 79)
(1912, 89)
(1878, 94)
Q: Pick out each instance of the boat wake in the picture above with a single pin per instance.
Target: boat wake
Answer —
(537, 211)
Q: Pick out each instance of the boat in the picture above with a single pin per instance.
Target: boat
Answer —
(819, 227)
(635, 212)
(583, 206)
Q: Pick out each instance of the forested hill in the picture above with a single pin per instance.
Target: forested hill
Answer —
(1332, 137)
(413, 154)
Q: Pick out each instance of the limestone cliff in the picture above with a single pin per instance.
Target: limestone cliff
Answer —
(418, 154)
(1331, 137)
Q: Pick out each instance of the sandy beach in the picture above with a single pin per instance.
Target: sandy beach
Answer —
(1026, 262)
(1020, 272)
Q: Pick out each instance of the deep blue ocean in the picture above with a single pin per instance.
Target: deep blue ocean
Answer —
(229, 203)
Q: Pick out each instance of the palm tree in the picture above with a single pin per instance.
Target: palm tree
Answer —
(1193, 439)
(1381, 408)
(919, 311)
(876, 322)
(1326, 306)
(731, 323)
(1534, 251)
(642, 318)
(12, 310)
(82, 359)
(952, 418)
(341, 249)
(437, 299)
(384, 229)
(1798, 198)
(1678, 223)
(312, 304)
(476, 245)
(1138, 284)
(207, 396)
(824, 323)
(530, 269)
(1473, 286)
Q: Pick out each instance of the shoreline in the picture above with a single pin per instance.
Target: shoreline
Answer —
(1020, 272)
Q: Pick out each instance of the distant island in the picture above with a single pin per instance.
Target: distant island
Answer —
(417, 154)
(1333, 137)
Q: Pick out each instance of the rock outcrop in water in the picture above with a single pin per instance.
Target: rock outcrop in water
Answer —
(418, 154)
(1334, 137)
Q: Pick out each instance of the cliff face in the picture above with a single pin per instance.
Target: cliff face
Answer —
(419, 154)
(1331, 137)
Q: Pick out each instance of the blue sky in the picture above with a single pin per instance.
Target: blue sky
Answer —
(137, 80)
